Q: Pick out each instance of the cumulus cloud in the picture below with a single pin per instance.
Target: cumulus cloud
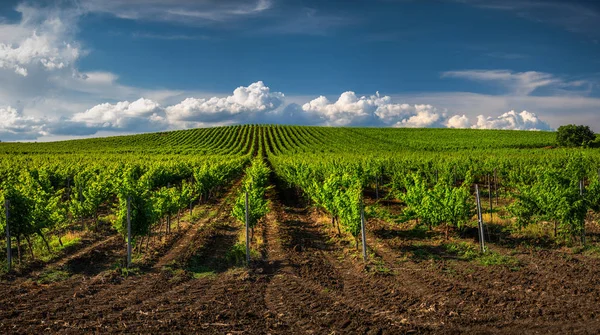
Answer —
(37, 42)
(512, 121)
(425, 116)
(140, 115)
(350, 110)
(15, 126)
(347, 110)
(458, 121)
(375, 110)
(255, 103)
(246, 102)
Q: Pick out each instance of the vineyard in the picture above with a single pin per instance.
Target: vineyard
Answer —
(349, 230)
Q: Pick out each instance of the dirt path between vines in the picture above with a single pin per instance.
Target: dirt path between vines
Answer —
(306, 281)
(94, 293)
(545, 293)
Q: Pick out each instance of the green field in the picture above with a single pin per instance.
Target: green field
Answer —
(54, 185)
(308, 188)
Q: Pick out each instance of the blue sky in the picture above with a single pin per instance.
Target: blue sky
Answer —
(95, 68)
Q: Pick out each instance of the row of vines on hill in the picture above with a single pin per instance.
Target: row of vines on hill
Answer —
(50, 187)
(437, 188)
(157, 192)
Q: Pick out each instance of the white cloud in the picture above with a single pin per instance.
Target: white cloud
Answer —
(15, 126)
(251, 100)
(140, 115)
(555, 110)
(254, 103)
(37, 42)
(512, 121)
(178, 11)
(39, 76)
(458, 121)
(426, 116)
(521, 83)
(349, 109)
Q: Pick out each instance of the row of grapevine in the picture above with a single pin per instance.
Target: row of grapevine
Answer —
(254, 186)
(436, 187)
(444, 203)
(40, 204)
(338, 191)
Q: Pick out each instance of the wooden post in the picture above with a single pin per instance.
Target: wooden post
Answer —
(128, 231)
(8, 246)
(581, 192)
(363, 231)
(480, 220)
(247, 232)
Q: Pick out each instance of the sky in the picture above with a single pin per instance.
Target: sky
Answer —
(89, 68)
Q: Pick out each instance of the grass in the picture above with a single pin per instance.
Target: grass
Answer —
(469, 252)
(53, 276)
(379, 264)
(203, 272)
(237, 254)
(421, 251)
(122, 270)
(69, 240)
(198, 270)
(591, 250)
(379, 211)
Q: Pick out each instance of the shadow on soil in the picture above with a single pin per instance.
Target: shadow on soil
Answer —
(92, 263)
(220, 254)
(416, 233)
(501, 235)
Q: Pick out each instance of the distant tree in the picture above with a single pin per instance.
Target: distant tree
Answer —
(575, 136)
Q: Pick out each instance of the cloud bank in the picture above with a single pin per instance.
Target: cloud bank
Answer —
(253, 103)
(245, 103)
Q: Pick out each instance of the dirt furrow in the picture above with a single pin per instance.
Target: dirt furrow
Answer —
(308, 293)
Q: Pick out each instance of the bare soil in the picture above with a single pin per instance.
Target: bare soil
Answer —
(308, 280)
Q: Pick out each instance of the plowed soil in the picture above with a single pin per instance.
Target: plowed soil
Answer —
(307, 280)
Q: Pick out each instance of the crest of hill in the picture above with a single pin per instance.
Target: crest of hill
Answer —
(219, 140)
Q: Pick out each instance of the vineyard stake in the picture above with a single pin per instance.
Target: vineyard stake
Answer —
(581, 191)
(128, 231)
(247, 232)
(363, 231)
(480, 220)
(8, 246)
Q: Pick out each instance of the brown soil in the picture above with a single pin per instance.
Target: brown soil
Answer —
(306, 280)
